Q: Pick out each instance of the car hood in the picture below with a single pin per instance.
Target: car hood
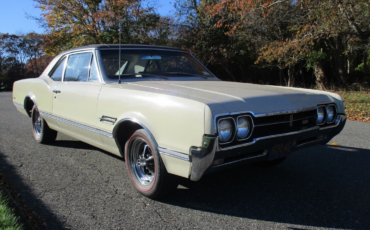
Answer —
(231, 97)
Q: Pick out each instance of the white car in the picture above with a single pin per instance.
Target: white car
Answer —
(168, 116)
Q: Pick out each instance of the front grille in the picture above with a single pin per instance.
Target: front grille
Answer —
(272, 125)
(278, 124)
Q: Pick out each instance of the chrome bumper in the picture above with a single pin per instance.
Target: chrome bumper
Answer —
(202, 158)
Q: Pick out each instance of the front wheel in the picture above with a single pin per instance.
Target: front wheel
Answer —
(40, 129)
(145, 167)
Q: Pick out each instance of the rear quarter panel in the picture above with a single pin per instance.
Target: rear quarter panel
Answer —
(37, 89)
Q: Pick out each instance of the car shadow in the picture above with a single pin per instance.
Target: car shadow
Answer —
(75, 144)
(29, 206)
(321, 186)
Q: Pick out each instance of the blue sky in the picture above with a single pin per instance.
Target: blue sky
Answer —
(13, 18)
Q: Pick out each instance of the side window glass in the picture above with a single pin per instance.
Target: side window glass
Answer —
(58, 72)
(78, 67)
(93, 71)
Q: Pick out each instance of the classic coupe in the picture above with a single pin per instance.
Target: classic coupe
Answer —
(168, 116)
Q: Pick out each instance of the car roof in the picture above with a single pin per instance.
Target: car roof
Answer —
(123, 46)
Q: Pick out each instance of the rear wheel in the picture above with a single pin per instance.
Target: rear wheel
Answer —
(40, 129)
(145, 167)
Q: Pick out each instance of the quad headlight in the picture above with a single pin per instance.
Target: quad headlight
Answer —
(330, 113)
(320, 115)
(225, 129)
(244, 127)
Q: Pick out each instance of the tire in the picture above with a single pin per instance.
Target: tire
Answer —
(145, 167)
(271, 163)
(40, 129)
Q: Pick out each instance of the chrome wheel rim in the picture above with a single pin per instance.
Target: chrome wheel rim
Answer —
(36, 121)
(142, 161)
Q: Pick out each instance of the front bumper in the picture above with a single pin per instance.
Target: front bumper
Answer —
(203, 158)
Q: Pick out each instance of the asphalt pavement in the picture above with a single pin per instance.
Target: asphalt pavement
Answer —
(72, 185)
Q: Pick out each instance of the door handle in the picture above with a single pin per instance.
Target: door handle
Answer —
(56, 91)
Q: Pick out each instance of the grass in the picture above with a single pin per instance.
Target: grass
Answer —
(357, 104)
(8, 220)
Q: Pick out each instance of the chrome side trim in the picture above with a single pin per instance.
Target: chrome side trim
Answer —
(18, 105)
(174, 153)
(79, 125)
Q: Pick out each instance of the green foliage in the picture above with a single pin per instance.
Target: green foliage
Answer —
(360, 67)
(314, 58)
(7, 218)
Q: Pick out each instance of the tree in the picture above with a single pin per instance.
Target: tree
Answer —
(33, 44)
(289, 32)
(71, 23)
(20, 56)
(200, 34)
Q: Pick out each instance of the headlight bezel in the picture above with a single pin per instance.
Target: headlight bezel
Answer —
(324, 115)
(251, 127)
(233, 131)
(335, 113)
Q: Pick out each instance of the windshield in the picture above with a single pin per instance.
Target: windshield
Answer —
(150, 63)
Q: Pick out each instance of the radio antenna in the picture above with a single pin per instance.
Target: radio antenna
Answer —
(119, 55)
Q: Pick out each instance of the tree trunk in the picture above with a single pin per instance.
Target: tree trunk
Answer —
(320, 76)
(340, 63)
(349, 67)
(365, 65)
(37, 67)
(284, 78)
(281, 76)
(242, 80)
(291, 76)
(301, 74)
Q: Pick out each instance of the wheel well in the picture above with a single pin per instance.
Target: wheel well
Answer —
(123, 132)
(28, 105)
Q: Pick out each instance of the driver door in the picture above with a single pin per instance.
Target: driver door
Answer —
(75, 97)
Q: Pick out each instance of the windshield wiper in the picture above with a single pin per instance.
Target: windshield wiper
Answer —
(184, 73)
(144, 75)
